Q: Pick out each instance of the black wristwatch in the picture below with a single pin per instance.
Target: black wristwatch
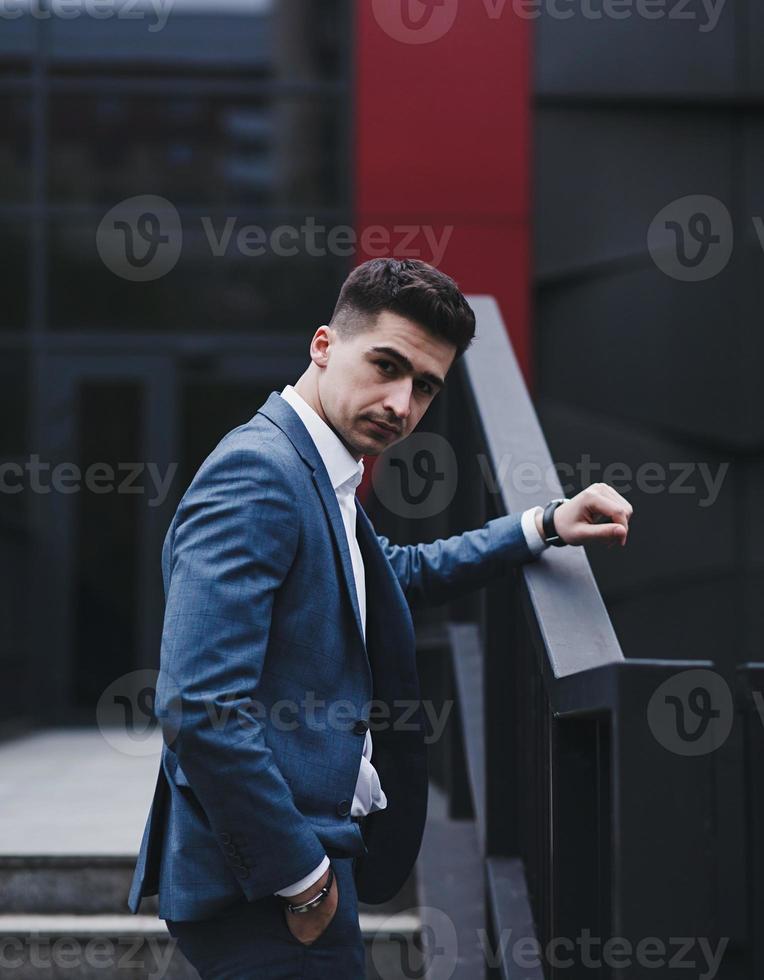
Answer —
(314, 902)
(547, 521)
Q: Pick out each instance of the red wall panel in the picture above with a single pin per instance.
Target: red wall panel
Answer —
(442, 141)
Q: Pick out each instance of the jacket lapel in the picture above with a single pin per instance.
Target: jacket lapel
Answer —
(281, 413)
(332, 508)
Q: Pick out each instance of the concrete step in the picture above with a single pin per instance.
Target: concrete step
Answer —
(90, 947)
(73, 803)
(77, 885)
(128, 947)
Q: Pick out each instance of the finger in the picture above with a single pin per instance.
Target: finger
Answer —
(616, 497)
(615, 532)
(603, 504)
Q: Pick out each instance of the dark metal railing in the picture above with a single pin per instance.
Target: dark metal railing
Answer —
(592, 817)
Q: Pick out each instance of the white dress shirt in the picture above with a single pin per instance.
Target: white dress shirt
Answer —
(345, 475)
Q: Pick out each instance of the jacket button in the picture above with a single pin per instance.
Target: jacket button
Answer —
(360, 728)
(343, 808)
(229, 849)
(226, 838)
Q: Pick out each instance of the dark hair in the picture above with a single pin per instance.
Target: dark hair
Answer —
(410, 288)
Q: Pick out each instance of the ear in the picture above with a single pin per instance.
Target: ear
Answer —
(320, 345)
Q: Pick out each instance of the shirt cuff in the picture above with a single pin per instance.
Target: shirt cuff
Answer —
(306, 882)
(536, 544)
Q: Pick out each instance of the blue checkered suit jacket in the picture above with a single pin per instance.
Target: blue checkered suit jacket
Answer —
(265, 679)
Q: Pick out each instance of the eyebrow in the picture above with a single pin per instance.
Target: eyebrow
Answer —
(406, 363)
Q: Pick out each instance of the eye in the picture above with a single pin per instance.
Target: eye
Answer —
(383, 365)
(425, 387)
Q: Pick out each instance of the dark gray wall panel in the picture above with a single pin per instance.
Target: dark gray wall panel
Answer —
(643, 347)
(602, 175)
(752, 623)
(691, 621)
(677, 535)
(637, 56)
(752, 141)
(754, 39)
(752, 516)
(674, 590)
(631, 363)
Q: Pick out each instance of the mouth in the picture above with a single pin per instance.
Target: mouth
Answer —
(383, 428)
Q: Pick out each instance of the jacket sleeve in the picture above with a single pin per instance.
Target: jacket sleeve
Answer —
(431, 574)
(237, 531)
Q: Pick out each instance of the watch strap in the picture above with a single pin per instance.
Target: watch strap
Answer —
(547, 521)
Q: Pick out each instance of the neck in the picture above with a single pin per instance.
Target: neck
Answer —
(307, 388)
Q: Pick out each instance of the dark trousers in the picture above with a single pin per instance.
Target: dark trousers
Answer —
(251, 940)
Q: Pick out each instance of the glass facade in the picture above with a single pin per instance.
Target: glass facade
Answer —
(234, 112)
(213, 137)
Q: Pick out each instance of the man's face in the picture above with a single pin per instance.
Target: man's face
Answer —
(376, 384)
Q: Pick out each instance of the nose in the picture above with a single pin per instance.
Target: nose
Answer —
(398, 399)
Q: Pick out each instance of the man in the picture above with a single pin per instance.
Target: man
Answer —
(288, 627)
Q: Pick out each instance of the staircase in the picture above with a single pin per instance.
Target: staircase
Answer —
(72, 807)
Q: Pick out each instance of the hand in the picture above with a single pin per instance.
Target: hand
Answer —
(577, 520)
(308, 926)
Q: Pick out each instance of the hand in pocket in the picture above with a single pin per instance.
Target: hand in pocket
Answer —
(307, 927)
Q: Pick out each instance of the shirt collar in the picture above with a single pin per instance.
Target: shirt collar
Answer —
(344, 472)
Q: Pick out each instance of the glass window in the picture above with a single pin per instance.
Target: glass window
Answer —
(267, 39)
(273, 152)
(18, 32)
(15, 149)
(209, 409)
(201, 291)
(14, 274)
(14, 400)
(109, 418)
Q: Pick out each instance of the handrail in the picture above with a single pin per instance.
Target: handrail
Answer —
(586, 817)
(575, 628)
